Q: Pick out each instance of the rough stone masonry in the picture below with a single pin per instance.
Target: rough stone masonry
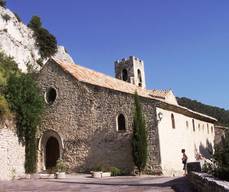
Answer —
(85, 117)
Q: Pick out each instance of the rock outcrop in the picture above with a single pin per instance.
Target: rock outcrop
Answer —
(17, 41)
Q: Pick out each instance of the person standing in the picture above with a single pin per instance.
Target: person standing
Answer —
(184, 161)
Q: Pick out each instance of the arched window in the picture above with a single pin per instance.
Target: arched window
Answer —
(139, 78)
(173, 121)
(193, 125)
(124, 75)
(121, 123)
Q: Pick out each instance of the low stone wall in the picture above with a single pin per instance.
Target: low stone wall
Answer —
(12, 155)
(203, 182)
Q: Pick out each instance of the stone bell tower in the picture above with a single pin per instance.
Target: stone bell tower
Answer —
(131, 70)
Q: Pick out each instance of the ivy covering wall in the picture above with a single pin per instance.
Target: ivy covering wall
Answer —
(20, 96)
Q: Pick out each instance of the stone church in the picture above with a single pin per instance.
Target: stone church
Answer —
(89, 116)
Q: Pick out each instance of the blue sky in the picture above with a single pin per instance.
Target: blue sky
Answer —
(184, 43)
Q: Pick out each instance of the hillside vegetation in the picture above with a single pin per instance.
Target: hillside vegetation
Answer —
(220, 114)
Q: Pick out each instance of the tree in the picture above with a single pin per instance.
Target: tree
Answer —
(24, 97)
(45, 41)
(220, 114)
(35, 23)
(221, 158)
(139, 140)
(3, 3)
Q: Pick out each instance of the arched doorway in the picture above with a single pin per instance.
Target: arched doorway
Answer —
(51, 148)
(52, 152)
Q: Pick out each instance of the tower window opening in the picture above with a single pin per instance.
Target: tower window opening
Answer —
(124, 75)
(139, 78)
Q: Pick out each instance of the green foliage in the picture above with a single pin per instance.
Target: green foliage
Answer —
(3, 3)
(7, 67)
(4, 108)
(98, 168)
(115, 171)
(6, 17)
(23, 95)
(61, 165)
(208, 167)
(221, 114)
(45, 41)
(139, 140)
(221, 158)
(35, 23)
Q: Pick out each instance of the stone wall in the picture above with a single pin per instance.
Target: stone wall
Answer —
(203, 182)
(85, 117)
(12, 154)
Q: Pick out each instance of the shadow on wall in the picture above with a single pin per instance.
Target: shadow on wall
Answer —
(102, 148)
(207, 151)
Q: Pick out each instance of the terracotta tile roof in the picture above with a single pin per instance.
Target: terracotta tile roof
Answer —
(159, 93)
(95, 78)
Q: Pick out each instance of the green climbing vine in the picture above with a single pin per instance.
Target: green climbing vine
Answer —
(24, 97)
(19, 94)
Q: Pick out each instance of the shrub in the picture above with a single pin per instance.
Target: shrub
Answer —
(3, 3)
(61, 166)
(98, 168)
(45, 41)
(7, 67)
(4, 108)
(115, 171)
(139, 140)
(35, 23)
(6, 17)
(208, 167)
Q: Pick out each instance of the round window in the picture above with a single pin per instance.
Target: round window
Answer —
(50, 95)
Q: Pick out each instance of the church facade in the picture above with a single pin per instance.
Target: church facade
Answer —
(89, 116)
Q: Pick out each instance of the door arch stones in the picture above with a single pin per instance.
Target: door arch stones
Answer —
(51, 148)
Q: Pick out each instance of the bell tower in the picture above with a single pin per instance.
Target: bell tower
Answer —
(131, 70)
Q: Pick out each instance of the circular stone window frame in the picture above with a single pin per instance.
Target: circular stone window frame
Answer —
(45, 95)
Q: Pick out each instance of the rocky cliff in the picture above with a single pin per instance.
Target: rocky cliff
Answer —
(17, 41)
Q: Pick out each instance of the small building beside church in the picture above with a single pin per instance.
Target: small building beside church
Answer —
(89, 116)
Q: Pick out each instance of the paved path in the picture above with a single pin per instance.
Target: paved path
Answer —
(84, 183)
